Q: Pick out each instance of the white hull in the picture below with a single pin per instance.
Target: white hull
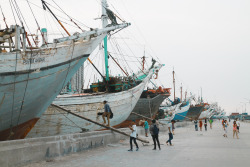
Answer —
(206, 114)
(171, 110)
(31, 79)
(56, 122)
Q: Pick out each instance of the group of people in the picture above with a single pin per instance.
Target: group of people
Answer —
(225, 124)
(154, 128)
(201, 124)
(154, 131)
(236, 127)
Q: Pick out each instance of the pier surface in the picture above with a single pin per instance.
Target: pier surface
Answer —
(191, 148)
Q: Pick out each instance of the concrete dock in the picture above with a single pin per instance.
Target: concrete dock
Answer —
(191, 148)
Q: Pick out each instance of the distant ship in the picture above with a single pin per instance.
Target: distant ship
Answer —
(148, 105)
(194, 112)
(181, 112)
(207, 112)
(31, 77)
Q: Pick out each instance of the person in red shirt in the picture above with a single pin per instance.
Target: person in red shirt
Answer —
(200, 124)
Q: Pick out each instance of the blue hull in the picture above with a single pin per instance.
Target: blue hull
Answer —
(180, 116)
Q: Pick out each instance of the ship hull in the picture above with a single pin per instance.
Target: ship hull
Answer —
(37, 79)
(194, 112)
(57, 122)
(147, 107)
(181, 112)
(205, 114)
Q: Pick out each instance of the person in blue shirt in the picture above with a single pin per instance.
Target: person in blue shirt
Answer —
(146, 127)
(106, 113)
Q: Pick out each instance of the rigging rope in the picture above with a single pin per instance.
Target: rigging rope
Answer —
(140, 32)
(71, 121)
(55, 14)
(23, 20)
(69, 17)
(13, 97)
(17, 13)
(3, 17)
(44, 119)
(37, 26)
(66, 14)
(25, 87)
(12, 11)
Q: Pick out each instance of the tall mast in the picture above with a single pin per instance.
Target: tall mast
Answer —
(143, 61)
(185, 95)
(201, 96)
(104, 24)
(174, 83)
(181, 92)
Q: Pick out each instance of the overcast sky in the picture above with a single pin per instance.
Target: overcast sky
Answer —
(206, 41)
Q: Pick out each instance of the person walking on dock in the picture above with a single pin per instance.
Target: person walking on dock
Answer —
(238, 125)
(196, 125)
(107, 112)
(170, 129)
(225, 128)
(222, 123)
(235, 131)
(205, 124)
(200, 124)
(133, 135)
(173, 127)
(146, 127)
(211, 123)
(154, 131)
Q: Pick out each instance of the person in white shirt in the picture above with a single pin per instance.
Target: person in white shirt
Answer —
(170, 128)
(133, 135)
(238, 125)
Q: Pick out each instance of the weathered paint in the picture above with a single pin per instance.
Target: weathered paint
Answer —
(194, 112)
(55, 122)
(36, 82)
(181, 112)
(21, 130)
(206, 114)
(147, 107)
